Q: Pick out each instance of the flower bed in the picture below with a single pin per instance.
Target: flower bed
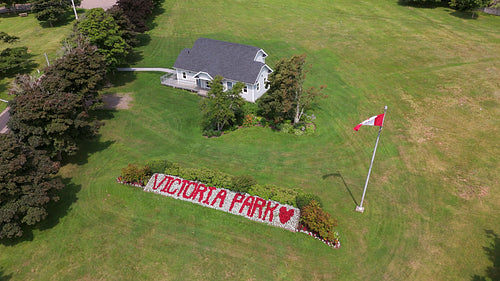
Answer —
(242, 204)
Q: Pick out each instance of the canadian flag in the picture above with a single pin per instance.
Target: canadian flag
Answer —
(377, 120)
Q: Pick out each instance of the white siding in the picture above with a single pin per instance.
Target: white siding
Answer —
(190, 80)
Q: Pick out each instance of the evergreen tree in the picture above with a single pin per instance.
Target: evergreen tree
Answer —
(102, 30)
(286, 98)
(51, 10)
(220, 107)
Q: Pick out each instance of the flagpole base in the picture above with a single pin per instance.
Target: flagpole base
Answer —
(360, 209)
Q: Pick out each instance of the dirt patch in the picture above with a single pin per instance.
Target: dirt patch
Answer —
(117, 101)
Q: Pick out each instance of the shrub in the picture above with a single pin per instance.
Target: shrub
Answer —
(264, 191)
(310, 128)
(286, 128)
(205, 175)
(211, 133)
(214, 178)
(319, 221)
(305, 199)
(133, 174)
(285, 196)
(243, 183)
(158, 166)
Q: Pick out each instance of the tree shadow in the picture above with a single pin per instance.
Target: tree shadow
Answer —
(466, 15)
(150, 22)
(87, 148)
(493, 253)
(120, 78)
(339, 175)
(27, 67)
(4, 277)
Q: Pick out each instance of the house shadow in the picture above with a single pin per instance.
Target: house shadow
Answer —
(339, 175)
(424, 5)
(157, 10)
(55, 209)
(493, 253)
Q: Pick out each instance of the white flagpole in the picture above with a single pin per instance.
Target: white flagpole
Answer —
(360, 208)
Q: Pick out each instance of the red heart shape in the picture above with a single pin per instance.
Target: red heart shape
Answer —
(285, 214)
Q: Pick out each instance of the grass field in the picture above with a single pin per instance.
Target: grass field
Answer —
(432, 206)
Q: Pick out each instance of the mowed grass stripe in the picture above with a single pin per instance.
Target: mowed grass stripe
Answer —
(432, 193)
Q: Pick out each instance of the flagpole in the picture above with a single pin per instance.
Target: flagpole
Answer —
(360, 208)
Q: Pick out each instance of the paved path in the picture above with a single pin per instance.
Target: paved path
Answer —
(167, 70)
(105, 4)
(4, 117)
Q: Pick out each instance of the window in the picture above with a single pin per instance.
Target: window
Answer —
(245, 89)
(183, 75)
(229, 85)
(258, 86)
(265, 83)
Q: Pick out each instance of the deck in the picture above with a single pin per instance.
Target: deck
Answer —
(171, 81)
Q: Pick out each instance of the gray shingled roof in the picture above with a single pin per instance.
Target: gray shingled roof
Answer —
(232, 61)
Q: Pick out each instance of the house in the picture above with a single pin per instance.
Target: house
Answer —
(197, 66)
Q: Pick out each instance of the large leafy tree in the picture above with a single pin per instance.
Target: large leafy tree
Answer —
(220, 108)
(80, 71)
(51, 121)
(52, 10)
(27, 185)
(286, 98)
(102, 30)
(137, 11)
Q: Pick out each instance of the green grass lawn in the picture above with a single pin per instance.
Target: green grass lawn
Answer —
(33, 35)
(433, 195)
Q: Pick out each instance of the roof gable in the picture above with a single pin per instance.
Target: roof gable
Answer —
(230, 60)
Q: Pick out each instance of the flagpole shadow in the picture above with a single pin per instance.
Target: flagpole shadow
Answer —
(339, 175)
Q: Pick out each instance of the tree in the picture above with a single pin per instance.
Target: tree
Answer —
(80, 71)
(14, 60)
(137, 11)
(127, 28)
(469, 5)
(286, 98)
(27, 185)
(220, 107)
(51, 121)
(52, 10)
(102, 30)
